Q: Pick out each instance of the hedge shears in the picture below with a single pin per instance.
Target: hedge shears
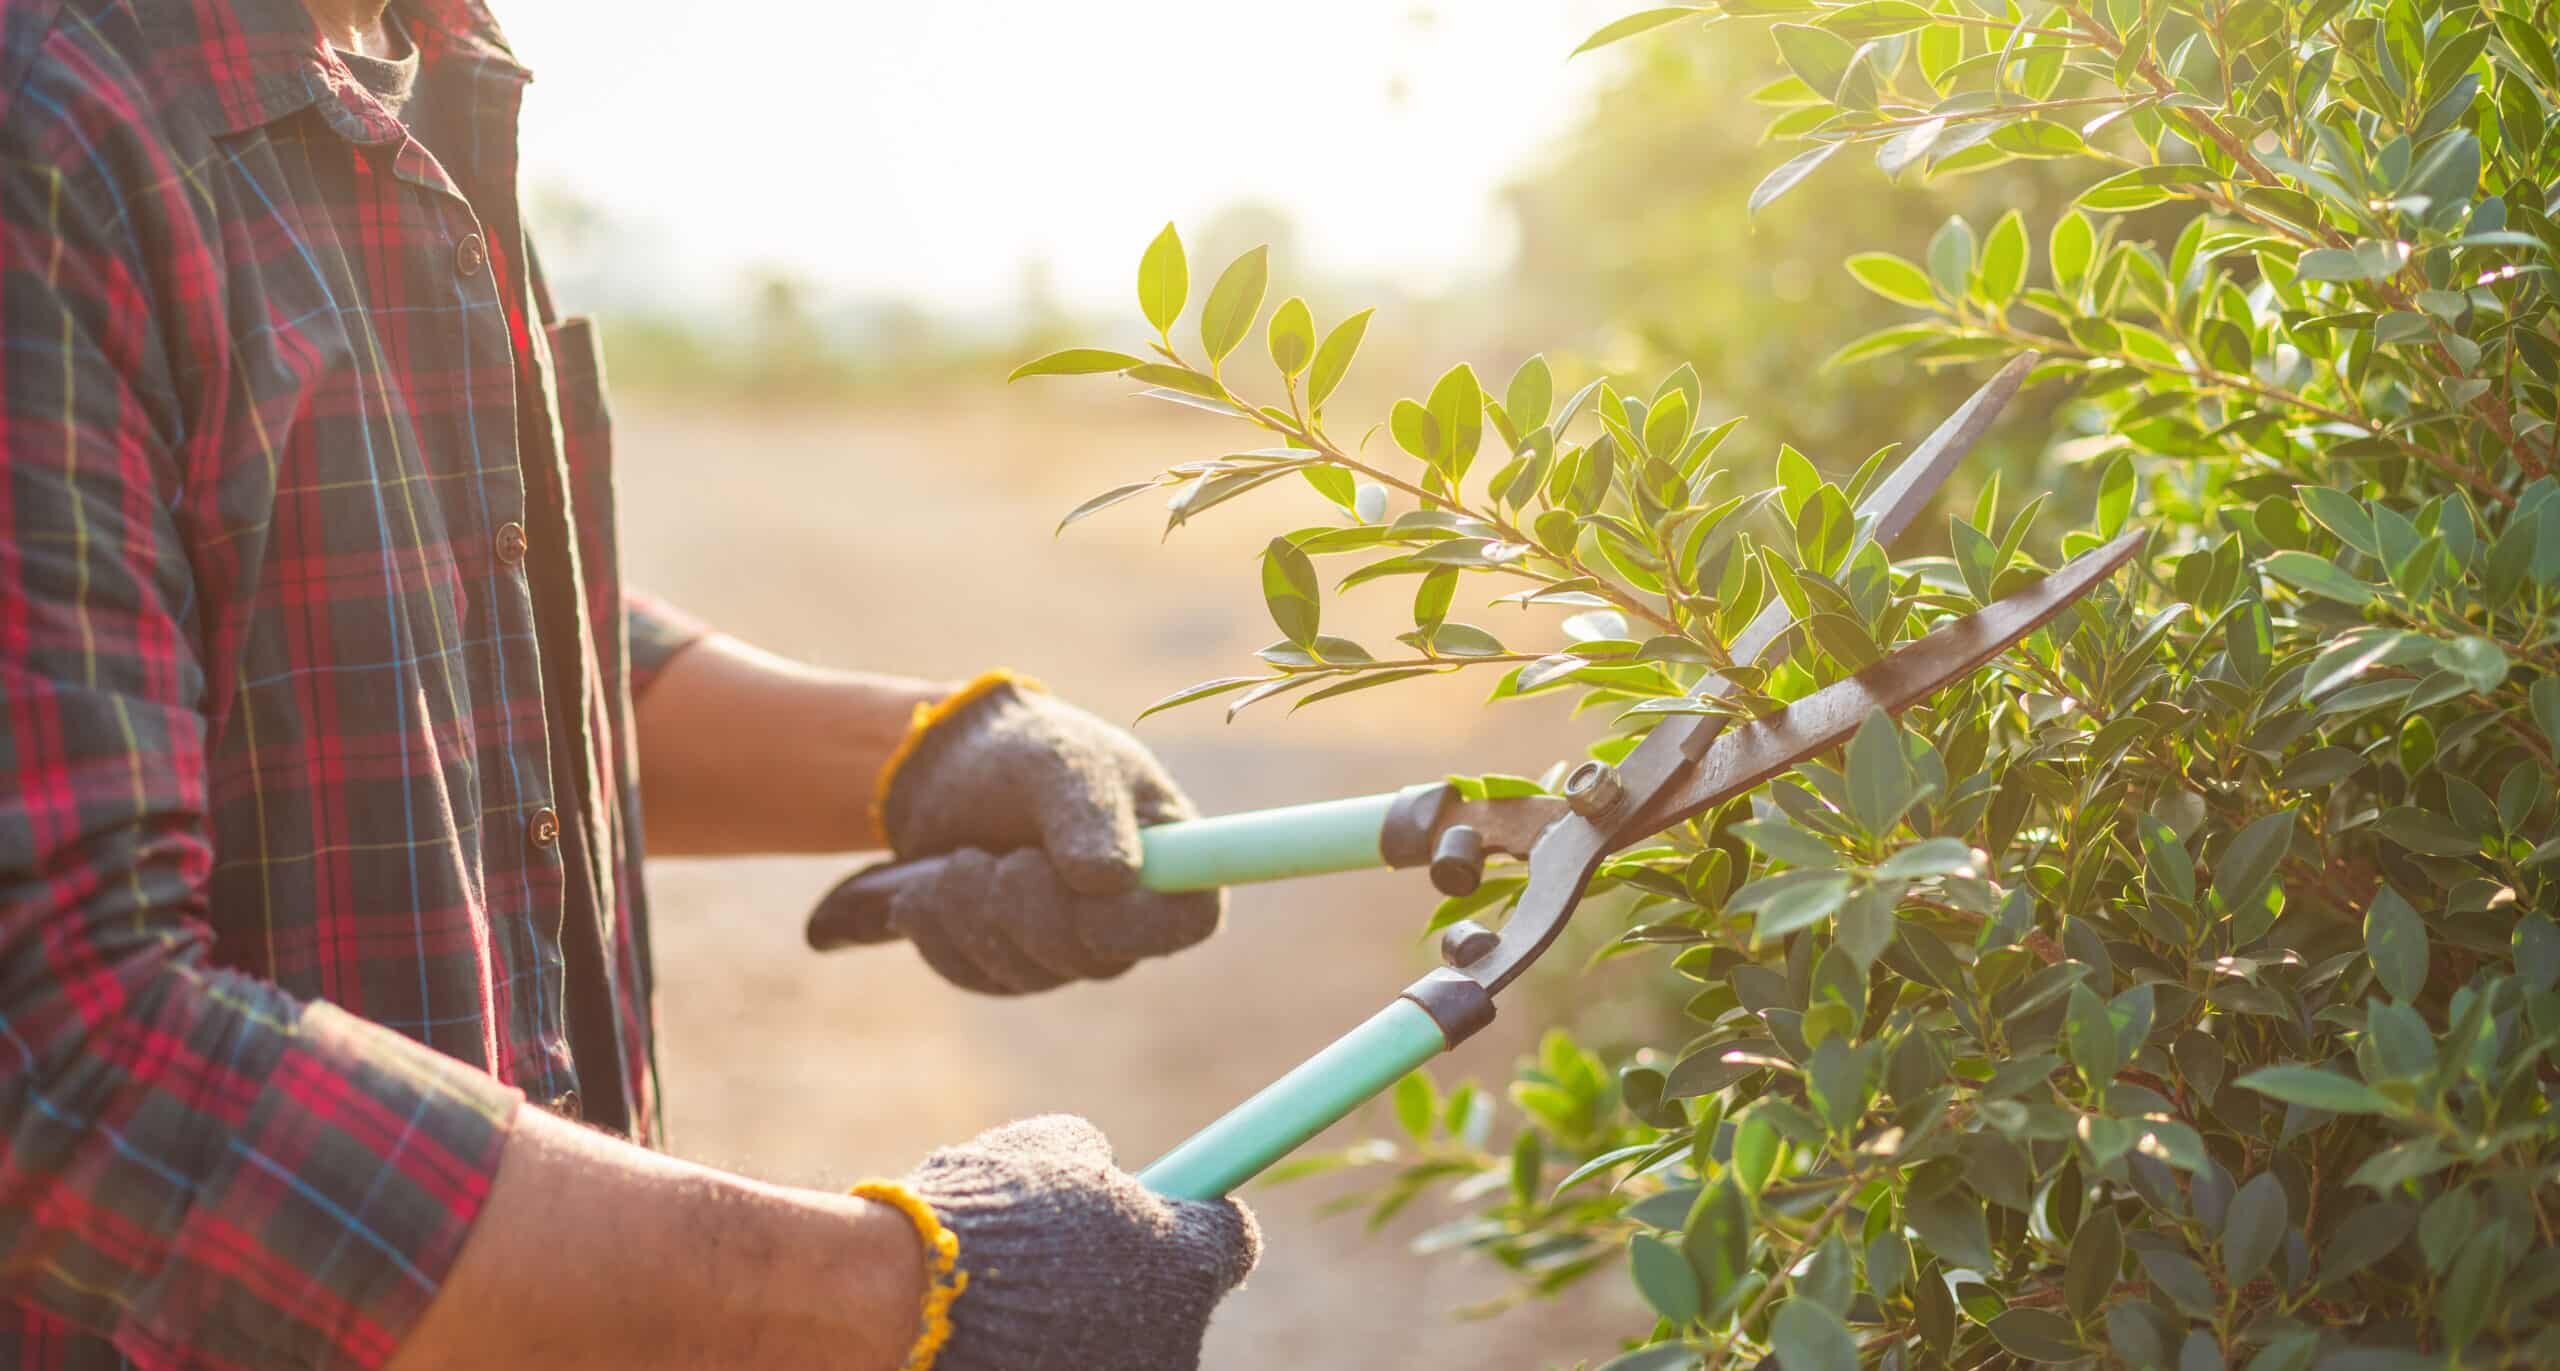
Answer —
(1686, 765)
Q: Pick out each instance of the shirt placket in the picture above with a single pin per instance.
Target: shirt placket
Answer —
(523, 828)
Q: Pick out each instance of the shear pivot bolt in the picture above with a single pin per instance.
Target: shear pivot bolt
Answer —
(1466, 943)
(1457, 863)
(1593, 790)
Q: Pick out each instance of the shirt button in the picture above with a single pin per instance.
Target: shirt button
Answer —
(470, 255)
(565, 1104)
(545, 828)
(511, 544)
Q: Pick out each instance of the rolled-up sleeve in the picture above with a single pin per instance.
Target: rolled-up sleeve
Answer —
(659, 632)
(192, 1162)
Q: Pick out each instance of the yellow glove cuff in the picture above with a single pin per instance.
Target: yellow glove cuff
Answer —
(944, 1280)
(928, 715)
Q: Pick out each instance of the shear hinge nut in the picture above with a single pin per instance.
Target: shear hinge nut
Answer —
(1457, 1003)
(1594, 791)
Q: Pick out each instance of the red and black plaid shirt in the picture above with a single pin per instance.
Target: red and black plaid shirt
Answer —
(315, 683)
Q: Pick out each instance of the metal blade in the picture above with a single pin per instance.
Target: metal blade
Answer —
(1885, 512)
(1753, 752)
(1571, 850)
(1898, 499)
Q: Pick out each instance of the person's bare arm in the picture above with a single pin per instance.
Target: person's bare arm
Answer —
(593, 1253)
(742, 751)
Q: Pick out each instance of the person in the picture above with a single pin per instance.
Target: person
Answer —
(324, 967)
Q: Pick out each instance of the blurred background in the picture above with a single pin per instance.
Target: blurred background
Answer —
(818, 236)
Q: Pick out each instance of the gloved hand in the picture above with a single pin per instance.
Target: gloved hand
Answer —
(1063, 1261)
(1038, 805)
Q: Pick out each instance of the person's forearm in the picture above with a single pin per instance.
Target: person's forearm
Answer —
(742, 751)
(593, 1253)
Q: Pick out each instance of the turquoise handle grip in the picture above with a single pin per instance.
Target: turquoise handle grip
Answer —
(1194, 854)
(1296, 1107)
(1265, 844)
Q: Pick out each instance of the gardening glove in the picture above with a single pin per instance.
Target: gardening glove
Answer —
(1045, 1256)
(1035, 806)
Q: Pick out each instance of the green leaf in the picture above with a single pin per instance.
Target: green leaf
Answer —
(1784, 179)
(1950, 1224)
(2089, 1033)
(2249, 864)
(1951, 257)
(1292, 337)
(2480, 662)
(1880, 783)
(1666, 425)
(1893, 278)
(2424, 830)
(1456, 408)
(2097, 1254)
(2037, 1335)
(1757, 1148)
(2471, 1287)
(1333, 357)
(1663, 1277)
(1164, 280)
(1668, 1356)
(1935, 857)
(1290, 588)
(1179, 379)
(1718, 1241)
(1531, 396)
(2366, 261)
(1634, 24)
(2004, 261)
(2395, 941)
(1788, 843)
(2537, 950)
(1076, 362)
(2253, 1229)
(2115, 496)
(1808, 1337)
(1818, 57)
(2166, 866)
(2037, 138)
(2318, 576)
(2394, 1167)
(1228, 314)
(2365, 1237)
(1417, 1104)
(1203, 691)
(2072, 245)
(1799, 906)
(1105, 501)
(1873, 19)
(2315, 1088)
(1364, 681)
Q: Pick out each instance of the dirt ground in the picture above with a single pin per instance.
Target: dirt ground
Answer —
(918, 539)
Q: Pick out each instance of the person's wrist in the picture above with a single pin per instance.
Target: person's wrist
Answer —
(864, 1276)
(930, 1277)
(929, 722)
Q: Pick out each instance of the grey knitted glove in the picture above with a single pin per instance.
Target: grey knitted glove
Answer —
(1071, 1265)
(1039, 805)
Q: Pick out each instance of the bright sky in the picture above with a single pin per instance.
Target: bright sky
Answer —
(930, 148)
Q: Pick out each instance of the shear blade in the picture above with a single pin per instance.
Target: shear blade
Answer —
(1564, 859)
(1753, 752)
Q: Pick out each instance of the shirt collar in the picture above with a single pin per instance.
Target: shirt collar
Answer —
(252, 62)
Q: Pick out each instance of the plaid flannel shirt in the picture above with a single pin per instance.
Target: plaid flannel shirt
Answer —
(315, 686)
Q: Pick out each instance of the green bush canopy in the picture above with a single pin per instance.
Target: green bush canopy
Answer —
(2180, 991)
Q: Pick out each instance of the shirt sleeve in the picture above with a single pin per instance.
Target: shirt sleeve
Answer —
(659, 633)
(192, 1162)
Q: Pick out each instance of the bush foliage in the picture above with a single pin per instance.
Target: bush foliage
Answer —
(2180, 991)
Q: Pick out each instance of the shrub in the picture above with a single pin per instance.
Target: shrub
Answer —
(2180, 991)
